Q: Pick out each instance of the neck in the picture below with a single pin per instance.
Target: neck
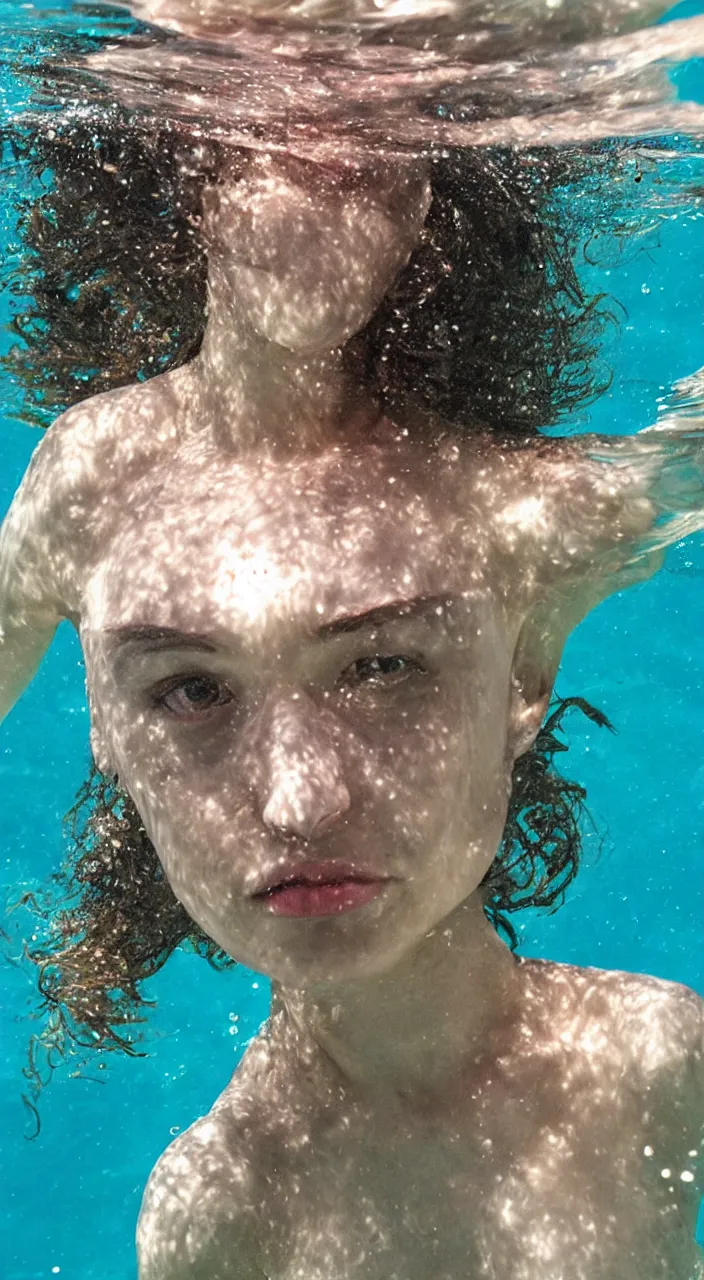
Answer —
(258, 391)
(413, 1031)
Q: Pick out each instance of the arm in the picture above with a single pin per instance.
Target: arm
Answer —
(199, 1214)
(175, 1263)
(30, 609)
(65, 511)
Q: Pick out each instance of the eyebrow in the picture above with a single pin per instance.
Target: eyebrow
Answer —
(151, 639)
(418, 606)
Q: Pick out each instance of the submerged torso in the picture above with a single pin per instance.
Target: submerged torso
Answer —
(562, 1157)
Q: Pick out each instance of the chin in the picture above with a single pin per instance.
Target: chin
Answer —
(323, 958)
(324, 970)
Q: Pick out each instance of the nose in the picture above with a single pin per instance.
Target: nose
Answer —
(301, 787)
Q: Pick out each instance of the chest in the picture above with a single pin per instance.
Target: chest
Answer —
(530, 1191)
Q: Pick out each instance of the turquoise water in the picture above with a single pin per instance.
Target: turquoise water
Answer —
(71, 1197)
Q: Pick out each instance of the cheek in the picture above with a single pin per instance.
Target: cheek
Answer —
(184, 801)
(439, 766)
(192, 809)
(455, 809)
(205, 841)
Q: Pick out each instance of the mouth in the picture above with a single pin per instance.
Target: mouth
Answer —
(321, 889)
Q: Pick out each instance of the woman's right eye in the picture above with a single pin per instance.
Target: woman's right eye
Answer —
(383, 670)
(193, 697)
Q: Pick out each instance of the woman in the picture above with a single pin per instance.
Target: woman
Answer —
(322, 594)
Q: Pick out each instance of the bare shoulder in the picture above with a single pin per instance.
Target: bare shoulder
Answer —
(200, 1216)
(215, 1206)
(81, 474)
(656, 1025)
(114, 428)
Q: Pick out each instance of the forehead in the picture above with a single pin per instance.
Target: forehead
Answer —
(222, 541)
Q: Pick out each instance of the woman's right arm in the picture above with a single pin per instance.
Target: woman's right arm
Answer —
(63, 515)
(199, 1217)
(30, 607)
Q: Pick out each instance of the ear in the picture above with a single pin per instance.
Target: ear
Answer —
(98, 745)
(544, 633)
(535, 662)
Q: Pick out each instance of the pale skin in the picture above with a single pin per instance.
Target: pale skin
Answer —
(313, 633)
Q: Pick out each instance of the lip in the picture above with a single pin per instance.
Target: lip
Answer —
(320, 889)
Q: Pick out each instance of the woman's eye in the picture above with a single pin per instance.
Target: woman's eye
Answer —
(381, 670)
(194, 696)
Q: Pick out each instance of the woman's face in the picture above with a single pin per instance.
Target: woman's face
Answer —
(305, 666)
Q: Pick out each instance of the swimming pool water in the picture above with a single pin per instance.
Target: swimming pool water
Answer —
(70, 1198)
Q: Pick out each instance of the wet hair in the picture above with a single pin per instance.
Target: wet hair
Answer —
(486, 323)
(119, 920)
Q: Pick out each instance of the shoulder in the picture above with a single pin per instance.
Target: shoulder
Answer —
(83, 472)
(657, 1026)
(201, 1207)
(217, 1205)
(114, 428)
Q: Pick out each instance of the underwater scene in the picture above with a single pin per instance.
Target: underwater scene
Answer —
(355, 311)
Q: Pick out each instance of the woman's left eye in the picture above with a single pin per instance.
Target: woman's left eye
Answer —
(193, 696)
(381, 670)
